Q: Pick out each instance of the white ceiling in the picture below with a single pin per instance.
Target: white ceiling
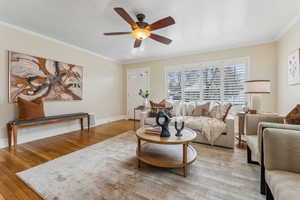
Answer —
(201, 25)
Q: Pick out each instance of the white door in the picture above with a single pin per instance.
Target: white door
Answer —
(136, 79)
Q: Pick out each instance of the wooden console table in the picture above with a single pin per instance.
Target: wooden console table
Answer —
(12, 127)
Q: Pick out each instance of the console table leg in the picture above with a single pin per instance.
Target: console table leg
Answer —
(134, 120)
(139, 164)
(184, 159)
(15, 135)
(9, 135)
(89, 122)
(139, 152)
(81, 123)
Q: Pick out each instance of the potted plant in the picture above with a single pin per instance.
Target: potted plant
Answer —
(145, 95)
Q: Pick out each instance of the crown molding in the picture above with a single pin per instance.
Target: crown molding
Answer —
(287, 27)
(156, 58)
(21, 29)
(191, 53)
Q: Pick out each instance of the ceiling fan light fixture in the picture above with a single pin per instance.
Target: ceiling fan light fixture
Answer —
(140, 33)
(141, 30)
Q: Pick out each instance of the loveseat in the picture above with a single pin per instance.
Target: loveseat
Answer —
(226, 139)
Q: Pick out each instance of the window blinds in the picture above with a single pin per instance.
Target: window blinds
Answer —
(174, 85)
(234, 81)
(223, 83)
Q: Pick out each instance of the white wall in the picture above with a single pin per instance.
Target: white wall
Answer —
(288, 95)
(263, 65)
(102, 84)
(105, 81)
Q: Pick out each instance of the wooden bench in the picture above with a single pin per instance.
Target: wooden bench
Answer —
(12, 126)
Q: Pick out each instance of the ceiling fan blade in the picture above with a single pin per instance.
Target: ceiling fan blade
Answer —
(160, 38)
(117, 33)
(125, 16)
(168, 21)
(137, 43)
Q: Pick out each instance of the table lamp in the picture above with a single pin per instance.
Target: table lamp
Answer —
(255, 88)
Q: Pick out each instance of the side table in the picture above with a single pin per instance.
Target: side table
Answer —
(141, 108)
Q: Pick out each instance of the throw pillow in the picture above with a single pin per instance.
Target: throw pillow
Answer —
(220, 111)
(293, 117)
(187, 108)
(159, 107)
(29, 110)
(201, 109)
(175, 105)
(160, 104)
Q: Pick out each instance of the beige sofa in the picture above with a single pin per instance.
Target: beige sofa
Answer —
(281, 148)
(225, 140)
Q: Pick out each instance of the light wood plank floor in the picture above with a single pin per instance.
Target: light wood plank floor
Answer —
(34, 153)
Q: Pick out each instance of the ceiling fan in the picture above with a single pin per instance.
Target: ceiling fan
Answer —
(141, 29)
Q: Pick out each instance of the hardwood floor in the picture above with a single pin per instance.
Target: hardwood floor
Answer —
(34, 153)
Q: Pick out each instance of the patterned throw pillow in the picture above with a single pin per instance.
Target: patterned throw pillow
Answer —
(159, 107)
(294, 116)
(220, 111)
(201, 109)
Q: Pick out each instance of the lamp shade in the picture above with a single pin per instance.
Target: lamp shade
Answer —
(258, 87)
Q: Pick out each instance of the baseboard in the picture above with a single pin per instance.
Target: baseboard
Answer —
(35, 133)
(110, 119)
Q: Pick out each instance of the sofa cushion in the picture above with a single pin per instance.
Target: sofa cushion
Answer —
(284, 185)
(182, 108)
(176, 107)
(188, 108)
(252, 143)
(220, 111)
(211, 128)
(201, 109)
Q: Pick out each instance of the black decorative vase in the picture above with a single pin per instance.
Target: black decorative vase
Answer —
(164, 125)
(178, 134)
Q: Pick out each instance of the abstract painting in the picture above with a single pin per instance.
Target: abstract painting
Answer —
(294, 68)
(32, 77)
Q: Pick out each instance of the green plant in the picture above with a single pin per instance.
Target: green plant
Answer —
(144, 94)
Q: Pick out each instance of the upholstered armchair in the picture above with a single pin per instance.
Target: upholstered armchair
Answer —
(254, 127)
(281, 148)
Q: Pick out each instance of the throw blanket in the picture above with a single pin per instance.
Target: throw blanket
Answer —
(211, 128)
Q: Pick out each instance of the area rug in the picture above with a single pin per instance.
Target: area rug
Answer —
(108, 170)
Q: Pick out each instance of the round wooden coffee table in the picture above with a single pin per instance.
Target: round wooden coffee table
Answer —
(167, 152)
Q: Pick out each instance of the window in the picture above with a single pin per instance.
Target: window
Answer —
(212, 82)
